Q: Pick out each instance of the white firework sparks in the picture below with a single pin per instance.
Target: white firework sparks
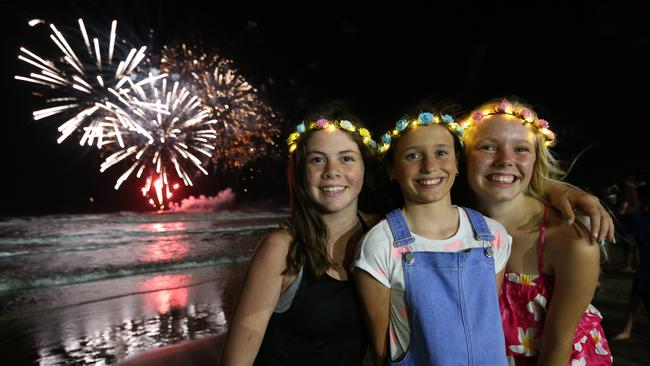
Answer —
(78, 83)
(166, 127)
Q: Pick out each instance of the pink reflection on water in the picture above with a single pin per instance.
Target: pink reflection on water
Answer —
(173, 292)
(165, 248)
(158, 227)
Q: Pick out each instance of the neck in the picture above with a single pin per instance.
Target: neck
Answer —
(513, 214)
(437, 220)
(341, 222)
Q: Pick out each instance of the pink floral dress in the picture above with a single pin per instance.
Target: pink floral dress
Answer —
(523, 304)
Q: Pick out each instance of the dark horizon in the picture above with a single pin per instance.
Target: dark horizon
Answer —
(580, 65)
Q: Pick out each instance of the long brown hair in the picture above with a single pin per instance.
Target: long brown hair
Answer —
(308, 248)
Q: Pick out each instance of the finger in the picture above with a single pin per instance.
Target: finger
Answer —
(610, 227)
(595, 221)
(567, 211)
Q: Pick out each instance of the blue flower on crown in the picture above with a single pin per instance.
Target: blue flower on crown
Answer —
(426, 118)
(373, 144)
(447, 118)
(401, 125)
(301, 128)
(385, 139)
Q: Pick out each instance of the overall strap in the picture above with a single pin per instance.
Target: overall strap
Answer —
(479, 225)
(542, 230)
(401, 233)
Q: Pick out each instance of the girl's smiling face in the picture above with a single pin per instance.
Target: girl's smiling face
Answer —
(500, 154)
(334, 171)
(425, 165)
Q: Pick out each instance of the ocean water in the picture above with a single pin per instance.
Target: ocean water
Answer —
(96, 289)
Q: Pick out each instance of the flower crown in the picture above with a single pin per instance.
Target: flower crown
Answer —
(424, 119)
(323, 124)
(524, 114)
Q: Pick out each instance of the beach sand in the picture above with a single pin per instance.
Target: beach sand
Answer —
(611, 299)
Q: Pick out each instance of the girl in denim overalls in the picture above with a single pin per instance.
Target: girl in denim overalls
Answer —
(427, 280)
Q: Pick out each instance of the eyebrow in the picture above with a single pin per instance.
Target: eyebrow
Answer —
(420, 146)
(490, 139)
(338, 153)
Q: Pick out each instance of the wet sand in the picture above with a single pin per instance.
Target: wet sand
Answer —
(105, 322)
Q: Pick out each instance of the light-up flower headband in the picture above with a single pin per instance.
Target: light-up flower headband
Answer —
(323, 124)
(423, 119)
(522, 113)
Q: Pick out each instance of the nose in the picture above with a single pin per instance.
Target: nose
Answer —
(429, 165)
(504, 159)
(332, 169)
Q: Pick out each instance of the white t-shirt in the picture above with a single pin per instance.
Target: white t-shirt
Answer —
(383, 262)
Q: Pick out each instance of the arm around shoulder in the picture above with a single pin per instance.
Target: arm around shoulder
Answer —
(259, 296)
(564, 196)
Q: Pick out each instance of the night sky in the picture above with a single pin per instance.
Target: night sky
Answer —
(584, 67)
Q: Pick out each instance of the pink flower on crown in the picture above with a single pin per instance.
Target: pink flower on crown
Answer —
(526, 113)
(541, 123)
(322, 123)
(504, 106)
(477, 116)
(551, 136)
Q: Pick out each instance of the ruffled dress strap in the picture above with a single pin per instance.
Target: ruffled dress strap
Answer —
(542, 230)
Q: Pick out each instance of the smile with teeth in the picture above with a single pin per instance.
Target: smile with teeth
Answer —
(501, 178)
(428, 181)
(332, 189)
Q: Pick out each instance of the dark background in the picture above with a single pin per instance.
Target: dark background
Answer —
(583, 66)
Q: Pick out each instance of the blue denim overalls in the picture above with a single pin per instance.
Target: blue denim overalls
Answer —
(452, 301)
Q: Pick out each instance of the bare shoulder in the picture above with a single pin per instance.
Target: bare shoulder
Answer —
(272, 249)
(568, 243)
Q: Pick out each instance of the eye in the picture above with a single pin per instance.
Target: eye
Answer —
(487, 148)
(442, 153)
(521, 149)
(412, 156)
(317, 160)
(348, 159)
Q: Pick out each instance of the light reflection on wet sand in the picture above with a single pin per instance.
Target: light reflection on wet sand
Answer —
(167, 309)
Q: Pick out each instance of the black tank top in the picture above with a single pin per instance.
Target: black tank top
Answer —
(323, 326)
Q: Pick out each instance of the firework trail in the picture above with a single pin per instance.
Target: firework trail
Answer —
(86, 74)
(246, 125)
(167, 129)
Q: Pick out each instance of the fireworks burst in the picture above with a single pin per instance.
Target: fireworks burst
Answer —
(162, 128)
(79, 82)
(247, 126)
(166, 127)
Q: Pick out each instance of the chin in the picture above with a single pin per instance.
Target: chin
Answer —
(501, 196)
